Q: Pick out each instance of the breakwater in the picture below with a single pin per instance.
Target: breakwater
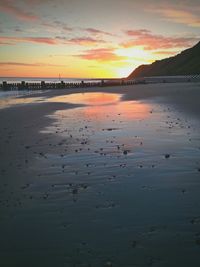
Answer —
(23, 85)
(7, 86)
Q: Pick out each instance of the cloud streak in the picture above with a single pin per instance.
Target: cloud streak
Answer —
(100, 55)
(63, 25)
(80, 41)
(98, 32)
(180, 16)
(22, 64)
(183, 14)
(165, 52)
(4, 40)
(85, 41)
(8, 7)
(56, 26)
(152, 41)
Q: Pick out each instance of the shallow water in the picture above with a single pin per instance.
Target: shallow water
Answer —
(116, 184)
(14, 98)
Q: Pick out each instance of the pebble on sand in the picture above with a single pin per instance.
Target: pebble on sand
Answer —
(125, 152)
(108, 264)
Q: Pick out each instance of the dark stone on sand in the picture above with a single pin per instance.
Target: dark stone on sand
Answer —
(197, 241)
(133, 244)
(108, 264)
(167, 156)
(75, 191)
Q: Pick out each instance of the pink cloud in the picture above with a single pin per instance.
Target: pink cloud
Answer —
(8, 7)
(186, 13)
(97, 32)
(82, 41)
(85, 41)
(138, 33)
(14, 40)
(101, 54)
(152, 41)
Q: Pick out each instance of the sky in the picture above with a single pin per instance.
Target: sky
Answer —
(92, 38)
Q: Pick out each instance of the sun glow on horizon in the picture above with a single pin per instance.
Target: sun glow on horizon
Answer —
(124, 71)
(134, 56)
(137, 53)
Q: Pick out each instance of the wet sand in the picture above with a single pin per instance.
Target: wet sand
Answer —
(184, 95)
(105, 178)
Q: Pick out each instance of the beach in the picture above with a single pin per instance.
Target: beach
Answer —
(101, 176)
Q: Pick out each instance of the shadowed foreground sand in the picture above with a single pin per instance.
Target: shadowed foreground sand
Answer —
(105, 180)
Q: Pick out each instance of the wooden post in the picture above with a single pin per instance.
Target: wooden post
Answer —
(43, 85)
(23, 85)
(5, 85)
(62, 84)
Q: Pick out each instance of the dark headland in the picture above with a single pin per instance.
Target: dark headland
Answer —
(185, 63)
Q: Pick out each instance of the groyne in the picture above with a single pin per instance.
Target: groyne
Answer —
(7, 86)
(23, 85)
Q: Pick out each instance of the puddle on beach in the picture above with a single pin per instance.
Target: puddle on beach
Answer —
(22, 97)
(94, 99)
(103, 107)
(115, 184)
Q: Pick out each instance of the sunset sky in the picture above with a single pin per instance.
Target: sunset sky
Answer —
(92, 38)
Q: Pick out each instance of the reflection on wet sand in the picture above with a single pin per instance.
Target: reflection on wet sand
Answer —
(103, 105)
(88, 98)
(94, 101)
(125, 110)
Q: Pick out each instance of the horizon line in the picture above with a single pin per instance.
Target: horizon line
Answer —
(60, 78)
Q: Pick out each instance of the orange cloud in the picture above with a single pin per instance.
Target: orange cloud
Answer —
(137, 33)
(29, 64)
(8, 8)
(165, 52)
(152, 41)
(101, 54)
